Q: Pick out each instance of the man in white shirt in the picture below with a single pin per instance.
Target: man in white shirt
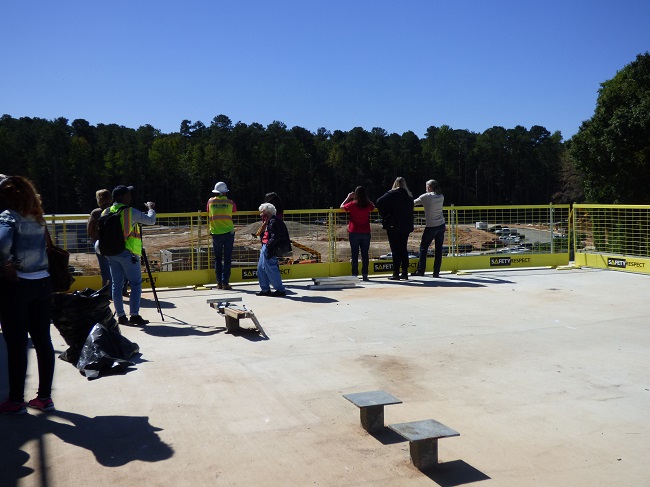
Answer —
(432, 201)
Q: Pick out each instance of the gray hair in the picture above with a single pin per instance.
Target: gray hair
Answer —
(268, 208)
(433, 185)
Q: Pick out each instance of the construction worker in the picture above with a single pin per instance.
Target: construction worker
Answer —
(220, 209)
(126, 264)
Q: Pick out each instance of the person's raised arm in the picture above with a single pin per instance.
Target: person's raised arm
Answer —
(349, 198)
(148, 218)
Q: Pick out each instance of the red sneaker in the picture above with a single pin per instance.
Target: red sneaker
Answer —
(12, 407)
(42, 404)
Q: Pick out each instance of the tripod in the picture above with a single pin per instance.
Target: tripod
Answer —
(153, 286)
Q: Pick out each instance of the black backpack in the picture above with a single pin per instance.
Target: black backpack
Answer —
(109, 231)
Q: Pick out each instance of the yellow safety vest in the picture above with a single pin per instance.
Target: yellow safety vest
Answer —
(220, 210)
(131, 231)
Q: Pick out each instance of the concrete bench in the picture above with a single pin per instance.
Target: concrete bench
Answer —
(423, 439)
(371, 405)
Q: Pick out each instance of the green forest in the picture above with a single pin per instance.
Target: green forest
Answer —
(607, 161)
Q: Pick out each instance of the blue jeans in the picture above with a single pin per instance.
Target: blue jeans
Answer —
(104, 269)
(105, 272)
(222, 245)
(429, 235)
(126, 265)
(360, 241)
(268, 272)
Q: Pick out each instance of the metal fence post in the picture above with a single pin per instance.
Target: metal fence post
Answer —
(331, 234)
(551, 212)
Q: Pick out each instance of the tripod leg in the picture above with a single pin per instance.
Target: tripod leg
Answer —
(153, 286)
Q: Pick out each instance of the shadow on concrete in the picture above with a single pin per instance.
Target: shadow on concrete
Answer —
(250, 292)
(159, 330)
(388, 437)
(151, 303)
(451, 283)
(121, 370)
(250, 334)
(113, 440)
(482, 280)
(314, 299)
(456, 472)
(290, 296)
(4, 377)
(421, 282)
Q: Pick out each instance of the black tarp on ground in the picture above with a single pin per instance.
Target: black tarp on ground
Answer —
(106, 351)
(75, 314)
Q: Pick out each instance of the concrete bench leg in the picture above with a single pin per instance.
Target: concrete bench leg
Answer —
(423, 439)
(371, 405)
(372, 418)
(232, 324)
(424, 453)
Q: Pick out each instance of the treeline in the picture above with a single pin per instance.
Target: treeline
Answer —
(69, 161)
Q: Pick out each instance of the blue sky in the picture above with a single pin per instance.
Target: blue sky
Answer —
(400, 66)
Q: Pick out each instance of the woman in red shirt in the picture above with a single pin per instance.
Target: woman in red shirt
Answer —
(359, 207)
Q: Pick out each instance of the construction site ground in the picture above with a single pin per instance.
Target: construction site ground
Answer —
(310, 236)
(543, 372)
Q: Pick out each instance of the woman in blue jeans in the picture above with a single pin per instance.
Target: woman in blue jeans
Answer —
(359, 207)
(25, 293)
(272, 234)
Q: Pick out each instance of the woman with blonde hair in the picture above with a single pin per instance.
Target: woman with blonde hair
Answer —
(396, 210)
(104, 199)
(25, 293)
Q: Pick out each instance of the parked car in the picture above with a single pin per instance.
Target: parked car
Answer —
(481, 226)
(513, 250)
(492, 244)
(510, 238)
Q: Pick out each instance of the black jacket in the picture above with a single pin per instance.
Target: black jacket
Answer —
(396, 210)
(278, 234)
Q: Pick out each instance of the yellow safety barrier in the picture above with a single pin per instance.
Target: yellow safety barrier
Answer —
(180, 253)
(615, 237)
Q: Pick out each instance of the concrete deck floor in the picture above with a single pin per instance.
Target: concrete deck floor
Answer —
(543, 372)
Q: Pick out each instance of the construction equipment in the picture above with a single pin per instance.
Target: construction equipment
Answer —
(310, 257)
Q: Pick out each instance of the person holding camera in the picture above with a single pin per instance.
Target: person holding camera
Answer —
(359, 207)
(126, 264)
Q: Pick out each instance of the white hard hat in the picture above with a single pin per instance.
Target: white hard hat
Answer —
(220, 187)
